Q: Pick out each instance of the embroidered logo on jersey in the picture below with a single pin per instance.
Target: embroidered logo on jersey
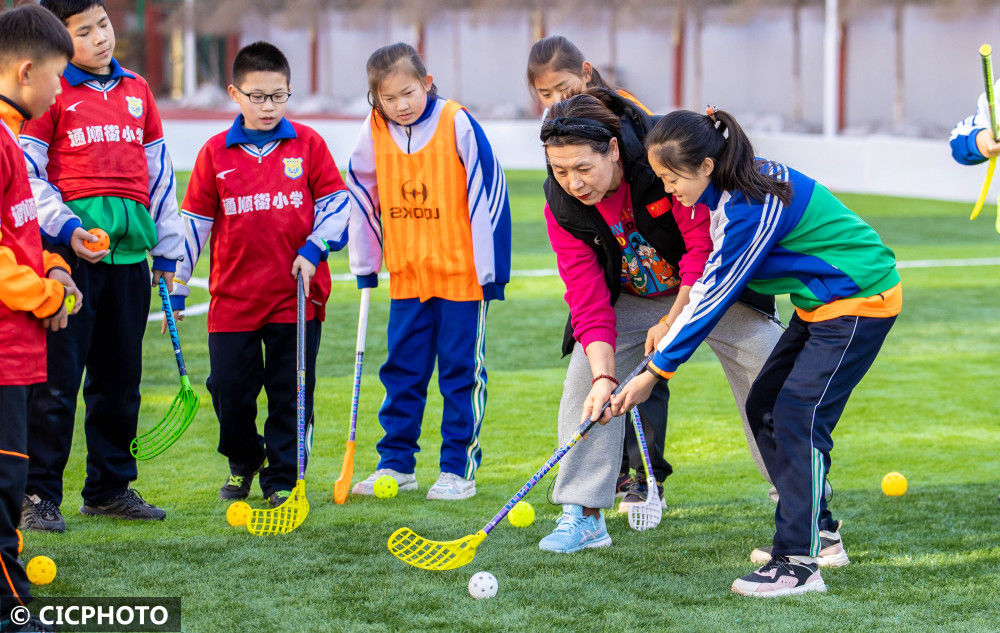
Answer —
(414, 192)
(134, 106)
(72, 108)
(293, 167)
(222, 174)
(658, 208)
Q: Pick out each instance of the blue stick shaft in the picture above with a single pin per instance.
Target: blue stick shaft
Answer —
(168, 312)
(300, 374)
(640, 435)
(559, 452)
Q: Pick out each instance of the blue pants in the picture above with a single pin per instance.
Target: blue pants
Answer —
(105, 339)
(453, 333)
(793, 407)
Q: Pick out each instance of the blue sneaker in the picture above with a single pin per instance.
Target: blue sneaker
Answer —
(574, 531)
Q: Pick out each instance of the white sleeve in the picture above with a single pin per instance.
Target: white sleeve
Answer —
(53, 214)
(489, 207)
(197, 229)
(365, 226)
(331, 220)
(163, 203)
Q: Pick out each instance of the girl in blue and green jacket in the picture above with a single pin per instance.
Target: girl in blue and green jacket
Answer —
(777, 231)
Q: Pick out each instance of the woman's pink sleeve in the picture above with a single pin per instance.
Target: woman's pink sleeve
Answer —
(694, 225)
(587, 293)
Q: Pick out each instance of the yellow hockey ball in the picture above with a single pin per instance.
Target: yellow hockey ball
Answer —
(41, 570)
(386, 487)
(521, 515)
(238, 513)
(894, 484)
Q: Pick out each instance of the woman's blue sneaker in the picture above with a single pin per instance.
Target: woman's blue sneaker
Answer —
(574, 532)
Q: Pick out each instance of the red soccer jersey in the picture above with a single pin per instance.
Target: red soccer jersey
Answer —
(263, 207)
(96, 137)
(22, 338)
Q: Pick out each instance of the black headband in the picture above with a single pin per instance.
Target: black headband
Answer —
(573, 126)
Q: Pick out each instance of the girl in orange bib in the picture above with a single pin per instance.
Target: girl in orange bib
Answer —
(430, 200)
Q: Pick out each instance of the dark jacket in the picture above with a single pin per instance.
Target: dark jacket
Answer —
(586, 224)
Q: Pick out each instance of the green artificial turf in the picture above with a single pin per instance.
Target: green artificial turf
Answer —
(929, 560)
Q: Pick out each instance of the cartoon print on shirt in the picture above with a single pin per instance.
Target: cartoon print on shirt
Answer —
(663, 272)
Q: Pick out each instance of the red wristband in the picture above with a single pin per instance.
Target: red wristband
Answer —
(608, 376)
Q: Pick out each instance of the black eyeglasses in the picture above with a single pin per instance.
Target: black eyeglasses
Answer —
(258, 98)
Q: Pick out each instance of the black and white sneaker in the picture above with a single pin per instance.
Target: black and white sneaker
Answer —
(41, 514)
(831, 553)
(781, 576)
(127, 505)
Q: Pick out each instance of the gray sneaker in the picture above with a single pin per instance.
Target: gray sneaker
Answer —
(127, 505)
(40, 514)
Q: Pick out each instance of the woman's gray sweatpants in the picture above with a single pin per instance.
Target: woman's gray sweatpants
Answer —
(742, 340)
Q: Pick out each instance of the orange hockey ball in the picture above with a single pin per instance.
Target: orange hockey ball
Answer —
(103, 241)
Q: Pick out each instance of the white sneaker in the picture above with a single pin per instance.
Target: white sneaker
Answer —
(406, 481)
(452, 487)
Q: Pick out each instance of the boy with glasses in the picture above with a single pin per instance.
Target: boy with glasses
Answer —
(268, 198)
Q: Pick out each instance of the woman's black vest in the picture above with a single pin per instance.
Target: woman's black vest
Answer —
(586, 224)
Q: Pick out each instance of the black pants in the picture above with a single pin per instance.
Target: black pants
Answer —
(14, 585)
(793, 407)
(241, 364)
(653, 414)
(105, 338)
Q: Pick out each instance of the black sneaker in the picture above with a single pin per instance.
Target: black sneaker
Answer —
(278, 497)
(622, 485)
(238, 486)
(636, 493)
(127, 505)
(41, 514)
(781, 576)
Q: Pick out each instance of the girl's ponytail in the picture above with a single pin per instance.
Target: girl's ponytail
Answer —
(682, 140)
(737, 169)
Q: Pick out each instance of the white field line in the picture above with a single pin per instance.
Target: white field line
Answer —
(202, 308)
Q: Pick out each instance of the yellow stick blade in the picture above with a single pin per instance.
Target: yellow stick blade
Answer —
(284, 518)
(343, 483)
(981, 200)
(415, 550)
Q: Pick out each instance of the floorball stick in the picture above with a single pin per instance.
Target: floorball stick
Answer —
(290, 514)
(343, 483)
(184, 407)
(986, 52)
(409, 547)
(646, 515)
